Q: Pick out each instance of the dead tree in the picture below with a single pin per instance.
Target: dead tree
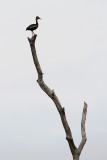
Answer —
(76, 151)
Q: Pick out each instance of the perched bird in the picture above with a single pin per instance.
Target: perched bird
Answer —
(33, 27)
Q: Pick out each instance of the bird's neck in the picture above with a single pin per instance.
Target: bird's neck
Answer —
(37, 21)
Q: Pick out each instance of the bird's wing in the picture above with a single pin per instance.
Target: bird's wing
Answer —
(30, 26)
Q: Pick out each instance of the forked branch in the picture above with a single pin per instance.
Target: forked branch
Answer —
(75, 151)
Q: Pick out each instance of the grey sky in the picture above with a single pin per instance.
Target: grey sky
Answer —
(72, 50)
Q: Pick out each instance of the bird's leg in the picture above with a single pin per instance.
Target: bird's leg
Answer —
(32, 33)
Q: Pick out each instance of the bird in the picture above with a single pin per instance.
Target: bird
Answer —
(33, 27)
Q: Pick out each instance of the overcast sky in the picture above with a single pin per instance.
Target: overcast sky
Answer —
(72, 50)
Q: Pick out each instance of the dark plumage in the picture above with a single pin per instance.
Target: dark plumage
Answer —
(33, 27)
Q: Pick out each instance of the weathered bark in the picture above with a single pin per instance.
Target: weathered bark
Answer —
(74, 150)
(76, 158)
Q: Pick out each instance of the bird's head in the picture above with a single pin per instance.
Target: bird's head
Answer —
(37, 18)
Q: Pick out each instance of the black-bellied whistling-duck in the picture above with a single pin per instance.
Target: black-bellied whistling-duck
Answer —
(32, 27)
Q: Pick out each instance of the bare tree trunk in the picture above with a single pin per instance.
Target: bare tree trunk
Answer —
(74, 150)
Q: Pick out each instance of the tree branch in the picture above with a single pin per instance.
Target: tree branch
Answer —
(83, 133)
(52, 95)
(75, 151)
